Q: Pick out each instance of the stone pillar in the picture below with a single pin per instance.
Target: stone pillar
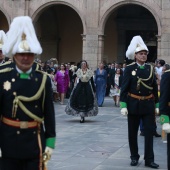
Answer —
(158, 46)
(27, 3)
(90, 50)
(84, 45)
(101, 49)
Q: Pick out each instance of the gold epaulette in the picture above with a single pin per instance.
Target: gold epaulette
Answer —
(6, 63)
(167, 71)
(8, 69)
(42, 72)
(131, 64)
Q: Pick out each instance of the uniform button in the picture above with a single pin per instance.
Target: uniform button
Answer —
(13, 80)
(14, 93)
(17, 119)
(18, 132)
(34, 132)
(36, 106)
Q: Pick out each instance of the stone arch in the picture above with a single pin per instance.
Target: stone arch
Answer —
(117, 5)
(38, 12)
(6, 15)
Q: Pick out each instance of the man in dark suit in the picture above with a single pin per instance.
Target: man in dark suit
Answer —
(27, 129)
(139, 95)
(165, 109)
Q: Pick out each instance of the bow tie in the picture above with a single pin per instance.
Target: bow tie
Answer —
(24, 75)
(142, 67)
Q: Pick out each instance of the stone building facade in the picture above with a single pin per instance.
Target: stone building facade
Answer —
(94, 30)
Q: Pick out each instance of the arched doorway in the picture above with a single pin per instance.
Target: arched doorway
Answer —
(59, 30)
(3, 22)
(124, 23)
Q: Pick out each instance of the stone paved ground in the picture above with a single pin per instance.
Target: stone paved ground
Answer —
(101, 143)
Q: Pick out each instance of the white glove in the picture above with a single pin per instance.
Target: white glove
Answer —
(166, 127)
(157, 111)
(47, 154)
(124, 111)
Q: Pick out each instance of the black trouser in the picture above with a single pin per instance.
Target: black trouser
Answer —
(0, 163)
(133, 125)
(15, 164)
(168, 150)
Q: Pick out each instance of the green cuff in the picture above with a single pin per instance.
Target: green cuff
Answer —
(164, 119)
(50, 142)
(123, 105)
(157, 105)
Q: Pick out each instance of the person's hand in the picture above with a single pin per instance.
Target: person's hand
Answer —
(166, 127)
(157, 111)
(47, 154)
(124, 111)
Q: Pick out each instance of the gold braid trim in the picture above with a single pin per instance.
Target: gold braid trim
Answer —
(43, 100)
(140, 80)
(6, 70)
(37, 66)
(167, 70)
(131, 64)
(18, 99)
(27, 112)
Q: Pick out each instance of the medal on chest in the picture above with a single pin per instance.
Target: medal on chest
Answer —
(7, 85)
(133, 73)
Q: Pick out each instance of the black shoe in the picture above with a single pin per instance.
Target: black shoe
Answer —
(134, 162)
(152, 165)
(156, 135)
(142, 134)
(82, 120)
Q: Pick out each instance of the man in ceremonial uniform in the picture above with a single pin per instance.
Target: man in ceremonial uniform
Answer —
(27, 130)
(165, 109)
(139, 97)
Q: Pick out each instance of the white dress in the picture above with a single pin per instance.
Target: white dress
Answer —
(115, 91)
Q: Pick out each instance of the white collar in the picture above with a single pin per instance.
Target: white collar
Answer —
(140, 64)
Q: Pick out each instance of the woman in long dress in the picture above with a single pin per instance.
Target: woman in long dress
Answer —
(101, 82)
(82, 100)
(62, 79)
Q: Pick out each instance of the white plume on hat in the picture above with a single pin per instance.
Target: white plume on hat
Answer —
(21, 37)
(137, 44)
(3, 38)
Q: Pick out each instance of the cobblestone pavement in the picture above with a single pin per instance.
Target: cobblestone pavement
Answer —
(101, 143)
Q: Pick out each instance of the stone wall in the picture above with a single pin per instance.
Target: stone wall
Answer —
(94, 15)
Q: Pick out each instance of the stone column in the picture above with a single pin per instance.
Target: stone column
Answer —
(90, 50)
(27, 3)
(84, 45)
(101, 49)
(158, 46)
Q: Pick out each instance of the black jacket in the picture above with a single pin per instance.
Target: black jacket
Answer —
(113, 80)
(129, 85)
(23, 143)
(165, 94)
